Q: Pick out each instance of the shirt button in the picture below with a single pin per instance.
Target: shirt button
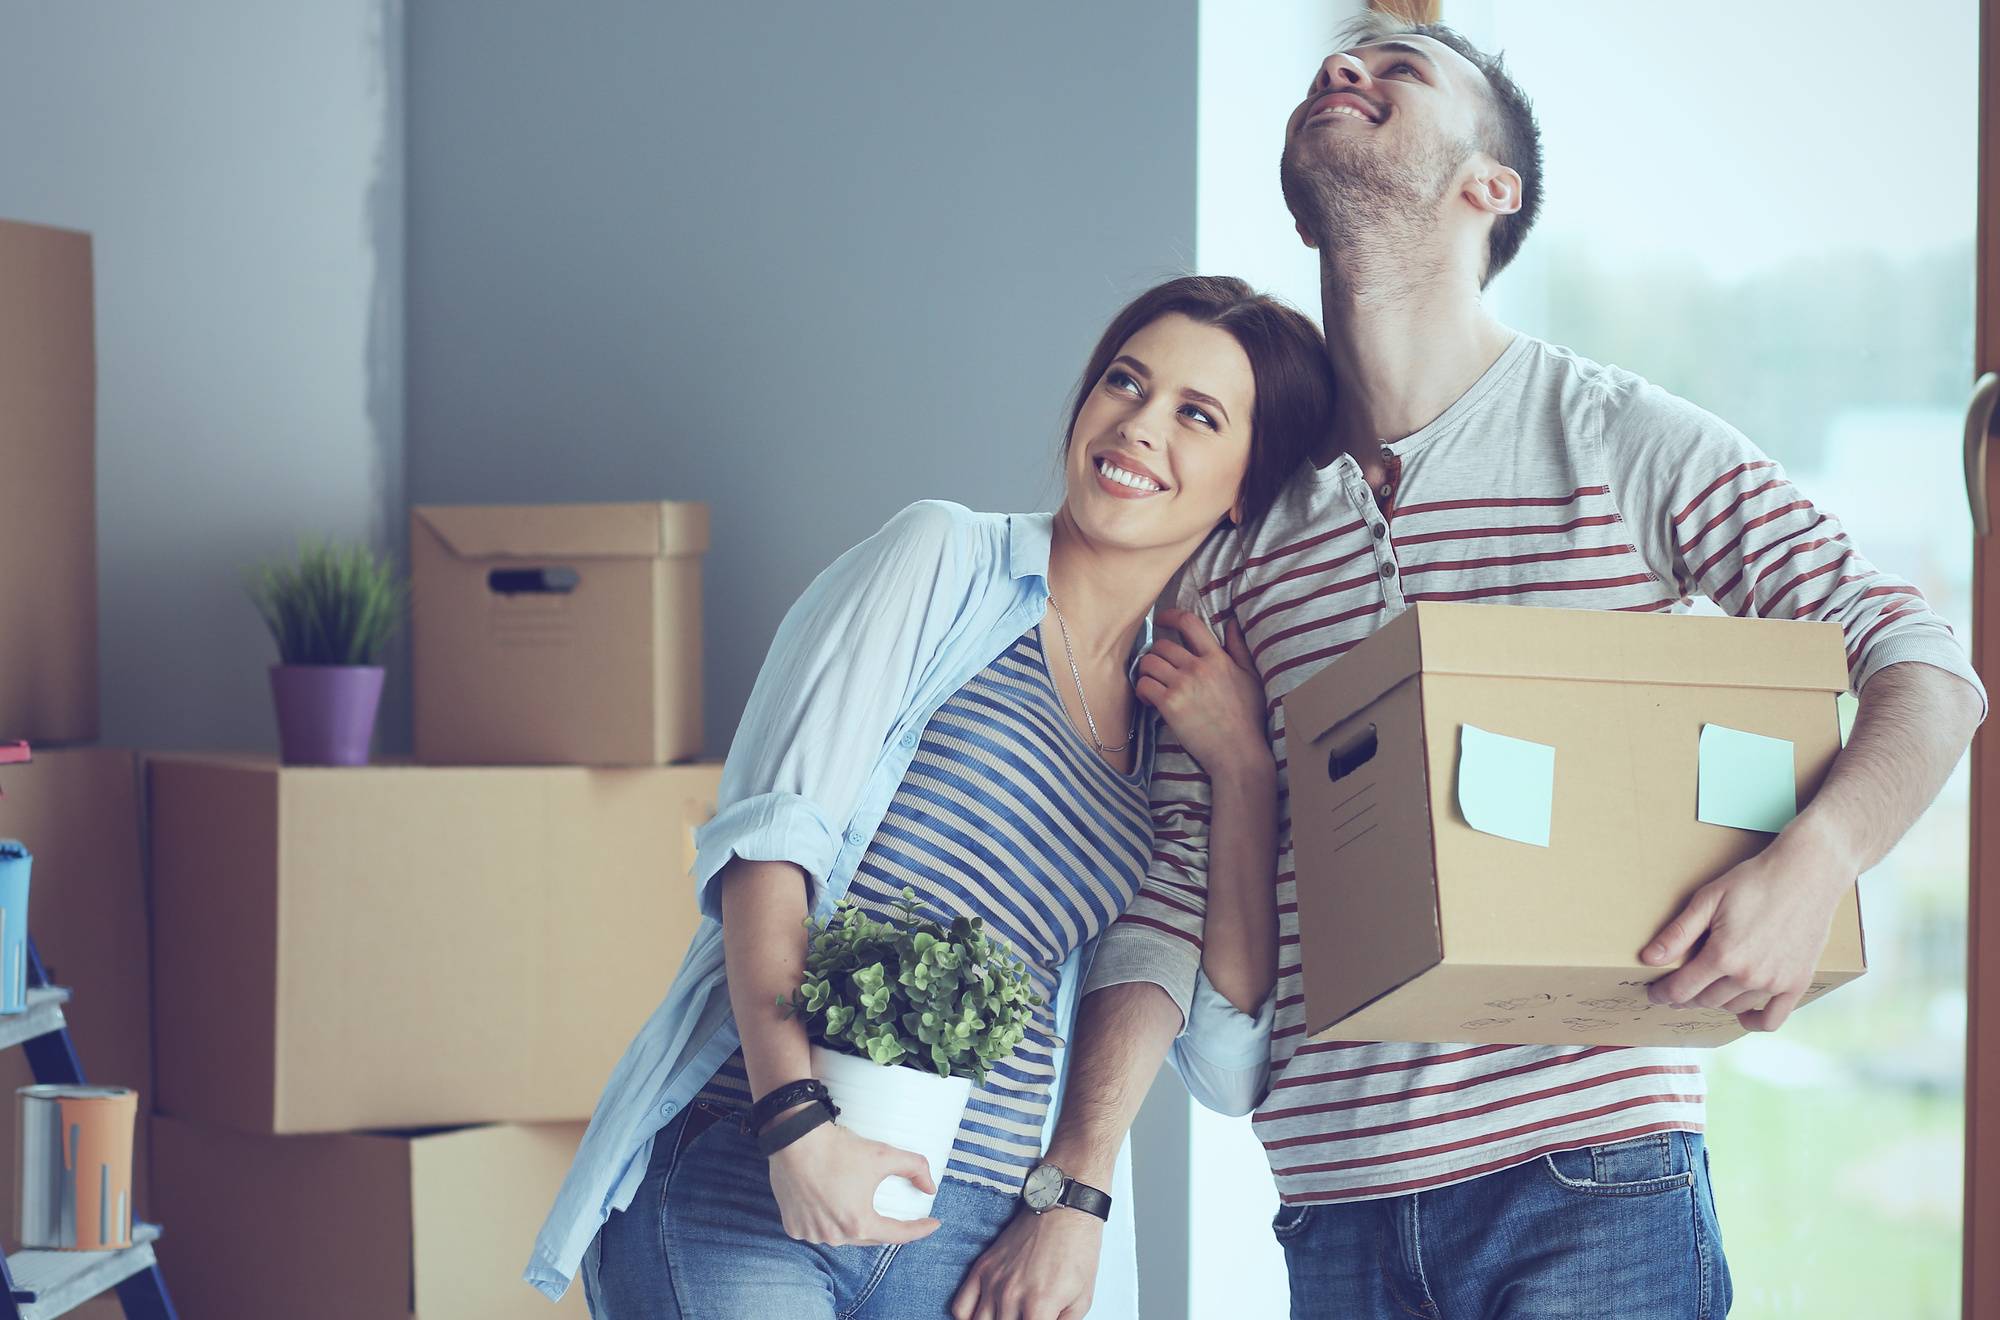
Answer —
(856, 837)
(1386, 489)
(667, 1109)
(1380, 531)
(1387, 452)
(909, 740)
(1388, 570)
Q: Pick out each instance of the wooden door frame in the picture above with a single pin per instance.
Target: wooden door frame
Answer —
(1982, 989)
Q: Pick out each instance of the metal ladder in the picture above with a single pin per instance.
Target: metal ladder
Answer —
(40, 1285)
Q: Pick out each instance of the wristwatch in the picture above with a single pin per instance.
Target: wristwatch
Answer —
(1047, 1187)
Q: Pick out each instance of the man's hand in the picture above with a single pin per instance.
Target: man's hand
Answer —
(1041, 1267)
(1766, 923)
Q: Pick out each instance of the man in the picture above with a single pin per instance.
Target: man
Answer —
(1456, 1180)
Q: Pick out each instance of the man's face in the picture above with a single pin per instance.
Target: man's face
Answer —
(1385, 127)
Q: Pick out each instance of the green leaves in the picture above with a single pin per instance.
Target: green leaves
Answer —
(911, 990)
(335, 606)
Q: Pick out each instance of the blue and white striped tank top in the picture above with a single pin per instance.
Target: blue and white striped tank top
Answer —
(1009, 814)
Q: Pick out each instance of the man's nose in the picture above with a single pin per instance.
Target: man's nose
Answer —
(1340, 70)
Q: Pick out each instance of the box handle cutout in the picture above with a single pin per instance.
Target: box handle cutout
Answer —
(532, 581)
(1351, 755)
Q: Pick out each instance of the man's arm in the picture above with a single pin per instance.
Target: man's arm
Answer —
(1046, 1265)
(1767, 919)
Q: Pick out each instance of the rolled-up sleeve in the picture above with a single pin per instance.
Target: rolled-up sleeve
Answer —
(838, 678)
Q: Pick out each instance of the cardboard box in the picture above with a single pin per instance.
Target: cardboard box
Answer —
(48, 486)
(1414, 926)
(399, 946)
(77, 809)
(430, 1226)
(557, 634)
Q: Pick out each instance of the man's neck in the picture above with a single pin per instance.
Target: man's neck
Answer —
(1411, 330)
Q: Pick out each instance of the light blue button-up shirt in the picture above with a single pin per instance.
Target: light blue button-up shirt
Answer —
(875, 645)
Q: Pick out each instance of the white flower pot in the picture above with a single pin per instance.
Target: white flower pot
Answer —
(911, 1109)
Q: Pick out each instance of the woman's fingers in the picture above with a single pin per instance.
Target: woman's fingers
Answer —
(1150, 690)
(1239, 650)
(1173, 653)
(909, 1164)
(1193, 630)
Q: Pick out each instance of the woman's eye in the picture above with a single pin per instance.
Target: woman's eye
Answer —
(1190, 411)
(1119, 380)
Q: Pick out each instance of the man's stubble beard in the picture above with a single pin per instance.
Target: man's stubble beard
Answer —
(1367, 213)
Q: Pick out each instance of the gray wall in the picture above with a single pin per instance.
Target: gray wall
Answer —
(805, 262)
(240, 168)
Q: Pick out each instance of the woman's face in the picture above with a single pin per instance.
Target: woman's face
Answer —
(1158, 453)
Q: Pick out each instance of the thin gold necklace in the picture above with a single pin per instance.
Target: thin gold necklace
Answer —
(1076, 677)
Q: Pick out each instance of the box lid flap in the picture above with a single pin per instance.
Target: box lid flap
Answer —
(569, 531)
(1610, 646)
(1377, 664)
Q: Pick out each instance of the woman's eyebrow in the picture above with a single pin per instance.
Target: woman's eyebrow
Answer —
(1138, 367)
(1206, 401)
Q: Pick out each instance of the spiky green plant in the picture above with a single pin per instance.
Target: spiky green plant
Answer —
(911, 990)
(336, 605)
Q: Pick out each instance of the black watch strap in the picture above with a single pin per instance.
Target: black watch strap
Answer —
(1084, 1197)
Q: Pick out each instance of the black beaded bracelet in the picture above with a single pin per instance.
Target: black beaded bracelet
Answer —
(780, 1098)
(791, 1129)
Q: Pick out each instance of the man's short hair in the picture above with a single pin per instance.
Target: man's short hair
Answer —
(1509, 133)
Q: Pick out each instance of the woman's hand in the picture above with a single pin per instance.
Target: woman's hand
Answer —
(1208, 692)
(825, 1184)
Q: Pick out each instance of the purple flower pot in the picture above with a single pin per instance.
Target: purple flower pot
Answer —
(326, 713)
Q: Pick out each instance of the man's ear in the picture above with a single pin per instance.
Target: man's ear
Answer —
(1305, 236)
(1495, 189)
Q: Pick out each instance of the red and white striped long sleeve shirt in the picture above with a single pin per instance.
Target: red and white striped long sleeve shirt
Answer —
(1553, 481)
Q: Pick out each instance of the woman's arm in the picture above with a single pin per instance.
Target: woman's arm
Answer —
(825, 1181)
(1213, 701)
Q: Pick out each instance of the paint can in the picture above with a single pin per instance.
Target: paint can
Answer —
(74, 1171)
(15, 861)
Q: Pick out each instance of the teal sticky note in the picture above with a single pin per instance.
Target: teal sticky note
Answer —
(1746, 780)
(1506, 786)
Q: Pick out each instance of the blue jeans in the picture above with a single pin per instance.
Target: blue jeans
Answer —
(1626, 1230)
(702, 1240)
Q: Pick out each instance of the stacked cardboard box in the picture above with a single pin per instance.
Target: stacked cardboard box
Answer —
(75, 806)
(387, 997)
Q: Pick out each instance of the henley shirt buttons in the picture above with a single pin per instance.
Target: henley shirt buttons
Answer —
(1387, 489)
(1388, 570)
(1380, 530)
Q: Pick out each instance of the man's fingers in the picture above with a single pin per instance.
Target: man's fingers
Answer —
(1678, 937)
(1239, 650)
(966, 1304)
(1747, 1002)
(1773, 1015)
(1721, 993)
(1683, 986)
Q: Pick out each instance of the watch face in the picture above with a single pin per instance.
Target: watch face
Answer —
(1044, 1185)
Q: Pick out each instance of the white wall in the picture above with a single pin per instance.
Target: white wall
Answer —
(239, 167)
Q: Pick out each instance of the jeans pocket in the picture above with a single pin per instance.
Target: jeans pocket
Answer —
(1643, 1166)
(1290, 1221)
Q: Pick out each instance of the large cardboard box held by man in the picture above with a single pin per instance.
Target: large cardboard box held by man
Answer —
(557, 634)
(77, 810)
(399, 946)
(1416, 926)
(370, 1226)
(48, 486)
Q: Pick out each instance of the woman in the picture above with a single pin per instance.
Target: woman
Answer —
(950, 707)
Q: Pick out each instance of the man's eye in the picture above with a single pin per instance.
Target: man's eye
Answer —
(1402, 66)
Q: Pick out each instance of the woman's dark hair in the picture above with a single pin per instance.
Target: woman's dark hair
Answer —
(1293, 417)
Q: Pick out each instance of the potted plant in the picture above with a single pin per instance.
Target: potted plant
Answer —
(905, 1015)
(330, 613)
